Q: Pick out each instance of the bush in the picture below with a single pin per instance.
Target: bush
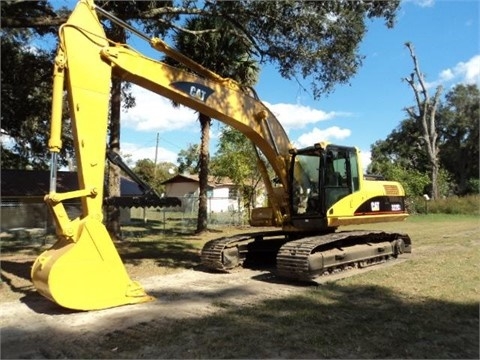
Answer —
(468, 205)
(473, 186)
(416, 205)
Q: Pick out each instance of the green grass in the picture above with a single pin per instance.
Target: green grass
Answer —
(426, 307)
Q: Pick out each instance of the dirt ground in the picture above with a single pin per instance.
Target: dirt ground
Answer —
(34, 327)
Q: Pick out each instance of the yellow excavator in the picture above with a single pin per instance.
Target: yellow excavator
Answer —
(314, 191)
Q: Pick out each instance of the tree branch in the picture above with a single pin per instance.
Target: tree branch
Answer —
(411, 82)
(28, 22)
(416, 67)
(411, 112)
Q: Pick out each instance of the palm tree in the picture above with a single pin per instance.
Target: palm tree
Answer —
(218, 51)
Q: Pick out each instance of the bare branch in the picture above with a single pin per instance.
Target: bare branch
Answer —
(411, 82)
(410, 111)
(416, 67)
(168, 10)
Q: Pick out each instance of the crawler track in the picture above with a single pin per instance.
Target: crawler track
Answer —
(309, 257)
(226, 253)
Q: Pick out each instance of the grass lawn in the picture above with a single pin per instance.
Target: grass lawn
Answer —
(426, 307)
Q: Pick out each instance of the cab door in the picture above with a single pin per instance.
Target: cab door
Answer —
(307, 190)
(341, 174)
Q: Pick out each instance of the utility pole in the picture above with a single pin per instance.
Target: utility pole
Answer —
(156, 155)
(154, 175)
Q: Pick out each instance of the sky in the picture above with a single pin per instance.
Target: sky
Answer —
(444, 33)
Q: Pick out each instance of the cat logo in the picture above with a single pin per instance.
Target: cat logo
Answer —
(197, 91)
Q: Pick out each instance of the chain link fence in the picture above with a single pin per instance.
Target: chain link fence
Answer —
(184, 218)
(32, 221)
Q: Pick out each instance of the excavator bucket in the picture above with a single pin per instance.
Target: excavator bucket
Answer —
(87, 274)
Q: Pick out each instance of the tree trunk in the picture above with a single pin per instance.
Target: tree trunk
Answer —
(431, 146)
(202, 219)
(434, 179)
(425, 116)
(113, 212)
(462, 170)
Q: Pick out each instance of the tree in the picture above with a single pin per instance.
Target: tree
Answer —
(39, 15)
(26, 125)
(153, 174)
(402, 146)
(145, 169)
(26, 76)
(118, 34)
(316, 40)
(401, 155)
(203, 162)
(229, 58)
(424, 113)
(188, 159)
(459, 131)
(233, 159)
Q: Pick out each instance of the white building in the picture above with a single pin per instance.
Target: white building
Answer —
(222, 193)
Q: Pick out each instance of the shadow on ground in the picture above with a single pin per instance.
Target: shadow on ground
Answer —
(329, 321)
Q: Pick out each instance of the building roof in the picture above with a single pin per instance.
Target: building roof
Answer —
(213, 181)
(30, 183)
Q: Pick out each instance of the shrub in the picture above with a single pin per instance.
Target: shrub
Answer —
(473, 186)
(468, 205)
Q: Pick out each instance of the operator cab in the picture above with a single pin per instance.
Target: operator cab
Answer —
(320, 175)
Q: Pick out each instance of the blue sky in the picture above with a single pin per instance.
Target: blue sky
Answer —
(445, 35)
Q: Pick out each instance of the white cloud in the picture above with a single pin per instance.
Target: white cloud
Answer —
(469, 71)
(317, 135)
(365, 157)
(296, 116)
(156, 113)
(446, 75)
(134, 153)
(464, 72)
